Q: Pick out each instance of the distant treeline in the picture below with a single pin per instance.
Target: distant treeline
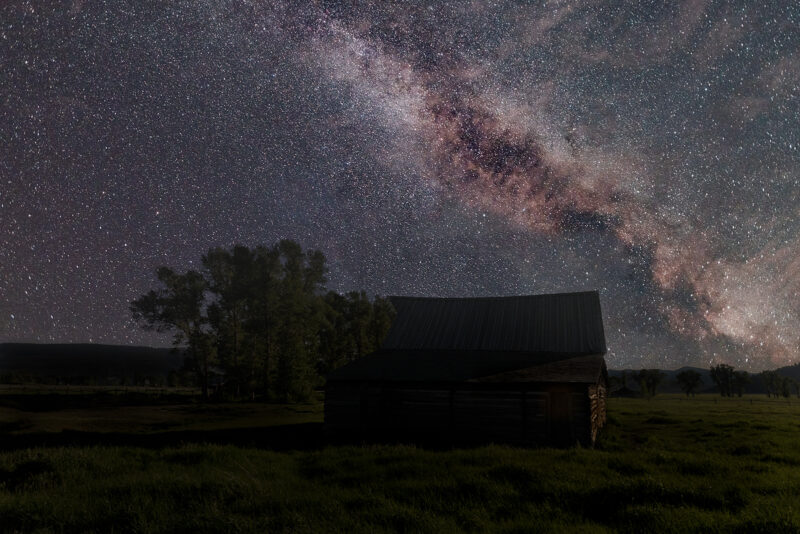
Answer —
(260, 322)
(723, 378)
(173, 378)
(89, 364)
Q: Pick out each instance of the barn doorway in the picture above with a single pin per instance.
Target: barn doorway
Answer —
(560, 427)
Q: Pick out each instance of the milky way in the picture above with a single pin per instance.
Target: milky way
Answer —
(455, 149)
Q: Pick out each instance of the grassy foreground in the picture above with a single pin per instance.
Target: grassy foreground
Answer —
(667, 465)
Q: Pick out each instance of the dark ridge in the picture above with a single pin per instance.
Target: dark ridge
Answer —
(88, 360)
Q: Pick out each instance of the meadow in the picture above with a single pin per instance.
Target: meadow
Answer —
(669, 464)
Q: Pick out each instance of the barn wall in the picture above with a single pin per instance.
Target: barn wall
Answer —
(423, 409)
(494, 415)
(581, 429)
(548, 414)
(343, 406)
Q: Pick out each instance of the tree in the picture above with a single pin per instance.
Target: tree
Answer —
(722, 375)
(777, 384)
(689, 381)
(354, 327)
(771, 382)
(614, 383)
(230, 281)
(784, 385)
(380, 321)
(358, 312)
(263, 322)
(337, 344)
(739, 381)
(649, 379)
(300, 317)
(179, 306)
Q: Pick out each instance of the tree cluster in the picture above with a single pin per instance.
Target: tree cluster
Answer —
(778, 385)
(260, 322)
(728, 380)
(689, 380)
(649, 380)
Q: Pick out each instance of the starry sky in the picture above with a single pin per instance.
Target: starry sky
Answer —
(645, 149)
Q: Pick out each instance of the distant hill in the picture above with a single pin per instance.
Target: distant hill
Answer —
(69, 361)
(792, 371)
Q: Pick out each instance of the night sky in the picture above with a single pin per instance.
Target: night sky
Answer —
(645, 149)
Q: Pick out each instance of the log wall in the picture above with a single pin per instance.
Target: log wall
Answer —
(469, 413)
(597, 408)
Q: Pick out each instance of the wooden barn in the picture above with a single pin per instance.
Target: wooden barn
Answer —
(527, 370)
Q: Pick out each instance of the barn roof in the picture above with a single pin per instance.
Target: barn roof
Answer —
(472, 338)
(561, 323)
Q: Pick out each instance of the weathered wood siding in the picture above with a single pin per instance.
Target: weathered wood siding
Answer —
(597, 403)
(560, 413)
(423, 410)
(343, 406)
(488, 415)
(581, 431)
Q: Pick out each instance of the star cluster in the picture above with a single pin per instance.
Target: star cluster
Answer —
(648, 150)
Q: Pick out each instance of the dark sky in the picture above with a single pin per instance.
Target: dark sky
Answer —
(645, 149)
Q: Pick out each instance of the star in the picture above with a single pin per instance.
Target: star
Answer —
(445, 149)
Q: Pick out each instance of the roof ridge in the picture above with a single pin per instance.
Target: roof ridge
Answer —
(497, 297)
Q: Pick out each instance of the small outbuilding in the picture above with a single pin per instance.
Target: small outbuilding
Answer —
(527, 370)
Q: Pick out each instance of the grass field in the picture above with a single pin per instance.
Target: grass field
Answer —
(666, 465)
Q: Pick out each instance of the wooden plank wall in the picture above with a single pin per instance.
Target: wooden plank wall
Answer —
(581, 430)
(514, 416)
(597, 402)
(488, 415)
(426, 410)
(343, 406)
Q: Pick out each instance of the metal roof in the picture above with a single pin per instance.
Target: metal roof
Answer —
(463, 339)
(563, 323)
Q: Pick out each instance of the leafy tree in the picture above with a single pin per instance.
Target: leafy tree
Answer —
(614, 383)
(722, 375)
(264, 319)
(771, 382)
(179, 306)
(689, 381)
(301, 315)
(230, 281)
(336, 341)
(784, 384)
(739, 381)
(381, 320)
(358, 311)
(649, 379)
(777, 384)
(355, 327)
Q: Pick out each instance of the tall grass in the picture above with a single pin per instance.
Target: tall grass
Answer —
(666, 465)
